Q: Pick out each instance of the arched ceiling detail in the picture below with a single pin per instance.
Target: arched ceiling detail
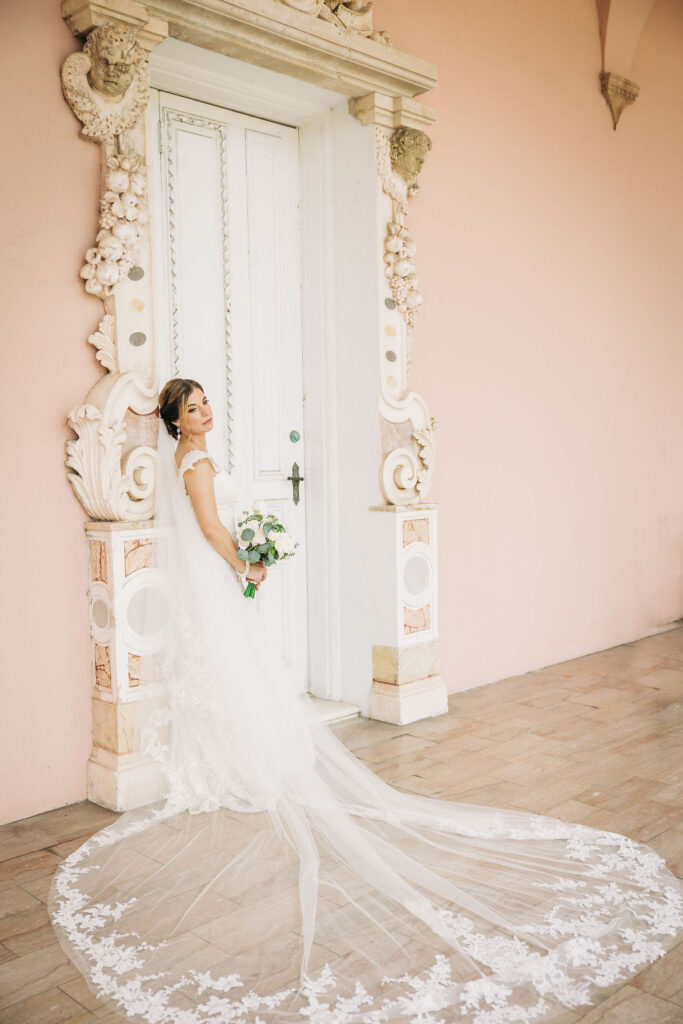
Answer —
(621, 24)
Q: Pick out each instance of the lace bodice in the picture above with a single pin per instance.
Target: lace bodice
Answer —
(224, 486)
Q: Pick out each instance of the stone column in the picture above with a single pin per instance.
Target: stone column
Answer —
(111, 461)
(406, 682)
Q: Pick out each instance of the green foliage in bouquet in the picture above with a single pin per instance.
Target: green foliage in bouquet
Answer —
(262, 538)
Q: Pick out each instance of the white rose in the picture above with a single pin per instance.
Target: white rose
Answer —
(284, 545)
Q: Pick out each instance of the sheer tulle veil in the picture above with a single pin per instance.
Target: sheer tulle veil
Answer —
(273, 877)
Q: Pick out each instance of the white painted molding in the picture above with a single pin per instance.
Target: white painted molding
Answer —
(214, 78)
(320, 409)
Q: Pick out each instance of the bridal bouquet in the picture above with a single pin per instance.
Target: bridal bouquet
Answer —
(262, 538)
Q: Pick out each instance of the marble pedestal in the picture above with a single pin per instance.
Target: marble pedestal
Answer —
(125, 561)
(406, 683)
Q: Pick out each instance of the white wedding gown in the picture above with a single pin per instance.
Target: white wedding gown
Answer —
(279, 880)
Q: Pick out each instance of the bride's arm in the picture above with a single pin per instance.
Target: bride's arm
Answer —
(199, 485)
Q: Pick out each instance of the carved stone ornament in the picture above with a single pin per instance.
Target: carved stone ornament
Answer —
(399, 261)
(407, 428)
(112, 484)
(122, 213)
(104, 340)
(407, 432)
(348, 15)
(111, 462)
(107, 84)
(619, 93)
(408, 149)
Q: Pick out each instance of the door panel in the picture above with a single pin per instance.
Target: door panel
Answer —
(229, 194)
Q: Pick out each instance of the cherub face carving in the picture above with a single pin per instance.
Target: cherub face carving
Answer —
(113, 53)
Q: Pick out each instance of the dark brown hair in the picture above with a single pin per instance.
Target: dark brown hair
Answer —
(173, 402)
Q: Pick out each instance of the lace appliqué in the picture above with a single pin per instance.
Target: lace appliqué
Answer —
(566, 974)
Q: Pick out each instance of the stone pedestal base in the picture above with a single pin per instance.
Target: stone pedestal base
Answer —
(406, 680)
(126, 565)
(402, 703)
(121, 782)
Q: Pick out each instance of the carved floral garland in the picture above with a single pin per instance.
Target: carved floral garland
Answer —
(399, 260)
(122, 212)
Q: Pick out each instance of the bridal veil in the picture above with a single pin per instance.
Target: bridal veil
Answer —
(277, 879)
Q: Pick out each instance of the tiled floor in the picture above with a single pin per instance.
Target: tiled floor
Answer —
(598, 740)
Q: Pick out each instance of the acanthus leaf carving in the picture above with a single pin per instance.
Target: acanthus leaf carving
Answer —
(425, 445)
(104, 340)
(408, 449)
(109, 487)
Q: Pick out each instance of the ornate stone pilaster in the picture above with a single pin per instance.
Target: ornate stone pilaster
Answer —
(406, 682)
(111, 461)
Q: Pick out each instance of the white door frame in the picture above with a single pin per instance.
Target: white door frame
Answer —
(199, 74)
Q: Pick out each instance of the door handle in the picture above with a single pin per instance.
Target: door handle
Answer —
(296, 479)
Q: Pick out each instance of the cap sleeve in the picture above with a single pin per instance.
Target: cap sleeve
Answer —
(190, 460)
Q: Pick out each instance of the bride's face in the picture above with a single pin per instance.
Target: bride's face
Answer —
(199, 419)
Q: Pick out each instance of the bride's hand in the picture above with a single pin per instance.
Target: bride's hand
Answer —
(256, 573)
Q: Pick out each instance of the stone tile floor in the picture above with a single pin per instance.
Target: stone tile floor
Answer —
(597, 740)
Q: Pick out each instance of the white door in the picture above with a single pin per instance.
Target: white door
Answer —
(229, 281)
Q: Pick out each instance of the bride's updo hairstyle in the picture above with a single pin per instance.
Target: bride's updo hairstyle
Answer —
(173, 402)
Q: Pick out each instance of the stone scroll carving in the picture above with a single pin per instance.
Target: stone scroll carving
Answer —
(111, 462)
(348, 15)
(407, 429)
(112, 480)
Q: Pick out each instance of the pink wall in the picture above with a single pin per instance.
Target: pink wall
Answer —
(549, 348)
(48, 181)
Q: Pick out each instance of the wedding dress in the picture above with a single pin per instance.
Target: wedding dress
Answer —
(279, 880)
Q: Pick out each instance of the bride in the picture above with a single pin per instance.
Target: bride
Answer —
(277, 879)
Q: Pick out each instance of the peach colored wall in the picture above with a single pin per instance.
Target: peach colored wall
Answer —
(549, 348)
(551, 257)
(48, 181)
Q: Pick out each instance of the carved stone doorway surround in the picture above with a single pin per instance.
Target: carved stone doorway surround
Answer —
(384, 595)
